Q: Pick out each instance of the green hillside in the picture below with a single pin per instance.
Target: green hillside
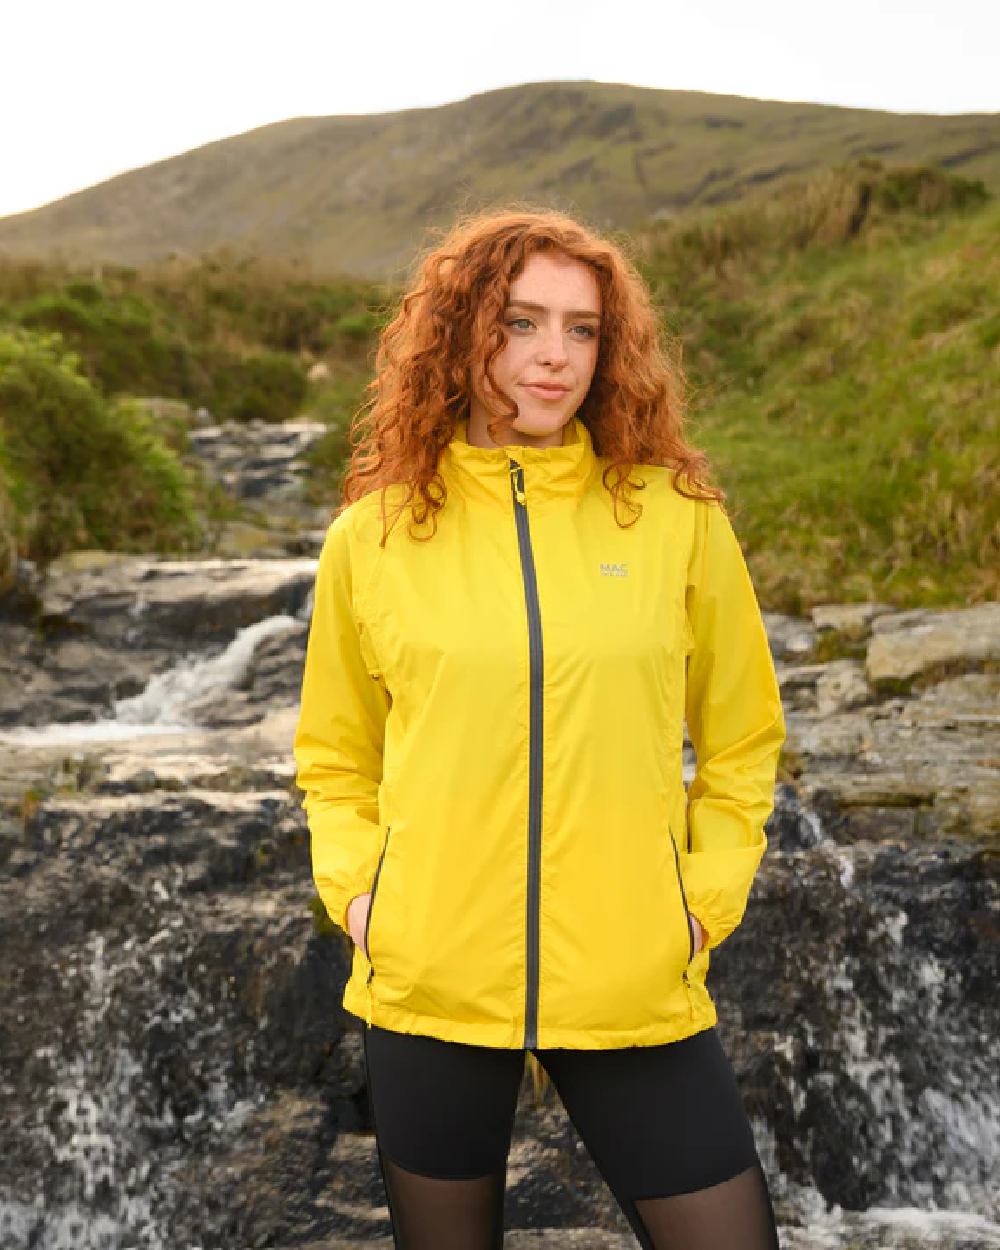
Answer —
(846, 378)
(357, 194)
(840, 333)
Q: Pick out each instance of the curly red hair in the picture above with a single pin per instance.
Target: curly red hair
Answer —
(451, 318)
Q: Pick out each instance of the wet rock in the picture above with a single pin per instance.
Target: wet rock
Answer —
(177, 1063)
(138, 600)
(115, 625)
(791, 637)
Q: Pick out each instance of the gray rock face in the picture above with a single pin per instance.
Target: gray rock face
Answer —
(178, 1069)
(258, 459)
(912, 644)
(261, 466)
(105, 626)
(140, 601)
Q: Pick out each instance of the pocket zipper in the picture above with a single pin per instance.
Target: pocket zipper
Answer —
(371, 902)
(687, 914)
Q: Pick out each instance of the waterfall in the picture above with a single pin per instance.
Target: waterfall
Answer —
(160, 707)
(165, 697)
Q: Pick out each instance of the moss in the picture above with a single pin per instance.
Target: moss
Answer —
(834, 644)
(31, 800)
(894, 687)
(790, 764)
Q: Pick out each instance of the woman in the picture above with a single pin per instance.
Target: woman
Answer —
(490, 744)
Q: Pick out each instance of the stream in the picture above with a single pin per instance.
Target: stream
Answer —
(177, 1072)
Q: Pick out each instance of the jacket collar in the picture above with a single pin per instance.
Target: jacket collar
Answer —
(550, 473)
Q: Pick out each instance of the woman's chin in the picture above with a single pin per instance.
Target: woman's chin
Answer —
(539, 424)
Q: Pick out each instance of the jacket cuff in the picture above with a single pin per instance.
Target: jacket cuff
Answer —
(717, 886)
(338, 885)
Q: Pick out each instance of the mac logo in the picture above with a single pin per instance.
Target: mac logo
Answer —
(614, 570)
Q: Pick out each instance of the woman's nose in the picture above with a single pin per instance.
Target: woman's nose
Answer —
(552, 348)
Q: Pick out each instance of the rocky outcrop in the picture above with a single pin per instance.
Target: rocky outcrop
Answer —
(910, 646)
(178, 1069)
(258, 459)
(262, 467)
(103, 626)
(877, 759)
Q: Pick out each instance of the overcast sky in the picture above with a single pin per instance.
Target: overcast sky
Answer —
(91, 88)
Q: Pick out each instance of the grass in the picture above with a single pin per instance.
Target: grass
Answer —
(847, 393)
(840, 333)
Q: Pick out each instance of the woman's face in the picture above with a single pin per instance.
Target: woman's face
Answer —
(552, 324)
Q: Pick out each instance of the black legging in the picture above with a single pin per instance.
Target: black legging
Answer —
(665, 1126)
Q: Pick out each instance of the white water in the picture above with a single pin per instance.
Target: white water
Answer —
(160, 707)
(108, 1190)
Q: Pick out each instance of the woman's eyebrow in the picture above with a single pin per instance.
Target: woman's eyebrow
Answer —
(575, 312)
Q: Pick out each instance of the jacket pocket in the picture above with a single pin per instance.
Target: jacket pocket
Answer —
(687, 914)
(371, 903)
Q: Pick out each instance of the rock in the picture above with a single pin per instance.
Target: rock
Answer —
(142, 600)
(170, 999)
(917, 765)
(841, 686)
(113, 626)
(825, 689)
(834, 736)
(258, 458)
(791, 637)
(851, 619)
(921, 643)
(262, 466)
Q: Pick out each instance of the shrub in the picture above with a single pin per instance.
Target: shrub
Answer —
(77, 469)
(116, 338)
(268, 386)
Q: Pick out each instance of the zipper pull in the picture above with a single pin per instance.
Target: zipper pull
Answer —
(515, 471)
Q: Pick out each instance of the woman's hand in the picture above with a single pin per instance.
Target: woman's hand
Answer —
(700, 937)
(357, 918)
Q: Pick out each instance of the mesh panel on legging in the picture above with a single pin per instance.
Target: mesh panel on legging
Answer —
(429, 1213)
(735, 1214)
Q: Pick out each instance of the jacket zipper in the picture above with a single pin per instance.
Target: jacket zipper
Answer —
(687, 919)
(534, 750)
(371, 901)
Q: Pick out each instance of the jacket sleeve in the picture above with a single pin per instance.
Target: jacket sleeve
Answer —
(736, 726)
(339, 736)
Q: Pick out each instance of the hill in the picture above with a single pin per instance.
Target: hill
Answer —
(355, 194)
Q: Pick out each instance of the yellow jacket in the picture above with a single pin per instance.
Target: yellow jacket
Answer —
(490, 741)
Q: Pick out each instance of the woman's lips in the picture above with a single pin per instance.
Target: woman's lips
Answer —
(547, 392)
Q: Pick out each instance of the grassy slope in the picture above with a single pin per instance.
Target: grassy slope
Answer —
(196, 331)
(357, 194)
(845, 372)
(848, 393)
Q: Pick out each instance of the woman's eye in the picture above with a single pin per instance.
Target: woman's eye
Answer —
(588, 331)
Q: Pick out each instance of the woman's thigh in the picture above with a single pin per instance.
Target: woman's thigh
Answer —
(657, 1120)
(441, 1109)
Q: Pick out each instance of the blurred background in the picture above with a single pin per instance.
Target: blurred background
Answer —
(206, 216)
